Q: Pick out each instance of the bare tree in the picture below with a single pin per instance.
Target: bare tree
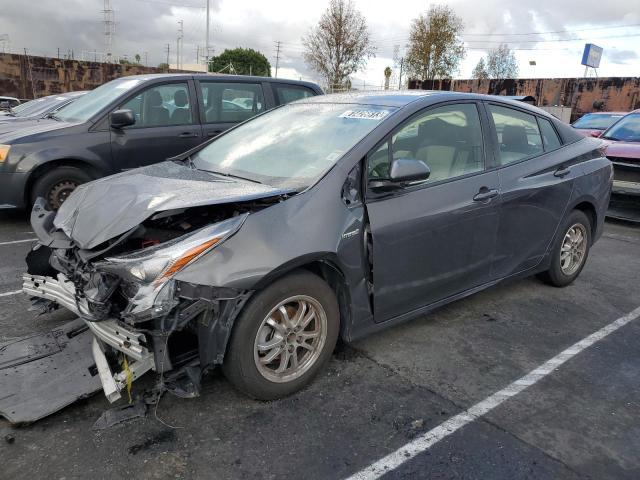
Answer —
(480, 70)
(340, 44)
(435, 48)
(501, 63)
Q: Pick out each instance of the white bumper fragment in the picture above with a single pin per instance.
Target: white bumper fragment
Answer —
(106, 332)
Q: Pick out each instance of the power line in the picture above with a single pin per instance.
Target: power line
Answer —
(172, 4)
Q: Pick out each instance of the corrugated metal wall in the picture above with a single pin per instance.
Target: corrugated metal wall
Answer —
(26, 76)
(581, 94)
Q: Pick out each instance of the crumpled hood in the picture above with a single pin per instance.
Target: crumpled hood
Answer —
(103, 209)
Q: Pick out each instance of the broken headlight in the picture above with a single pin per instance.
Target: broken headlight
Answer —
(147, 273)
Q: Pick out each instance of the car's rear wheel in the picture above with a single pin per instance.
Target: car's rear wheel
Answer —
(283, 337)
(57, 184)
(570, 250)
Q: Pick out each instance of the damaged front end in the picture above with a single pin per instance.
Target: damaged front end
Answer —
(125, 290)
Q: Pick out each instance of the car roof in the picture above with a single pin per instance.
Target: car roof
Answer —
(401, 98)
(606, 113)
(219, 76)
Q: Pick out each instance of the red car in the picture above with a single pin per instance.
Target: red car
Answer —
(623, 149)
(593, 124)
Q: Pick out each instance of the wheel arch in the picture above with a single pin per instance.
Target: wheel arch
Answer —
(327, 267)
(589, 209)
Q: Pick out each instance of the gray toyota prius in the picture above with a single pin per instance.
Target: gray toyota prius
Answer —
(333, 216)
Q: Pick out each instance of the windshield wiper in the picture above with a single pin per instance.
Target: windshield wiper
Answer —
(53, 116)
(234, 176)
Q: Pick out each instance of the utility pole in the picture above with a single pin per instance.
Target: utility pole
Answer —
(206, 44)
(168, 50)
(109, 30)
(278, 43)
(400, 76)
(146, 59)
(178, 44)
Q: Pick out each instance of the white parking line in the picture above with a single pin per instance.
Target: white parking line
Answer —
(18, 241)
(425, 441)
(6, 294)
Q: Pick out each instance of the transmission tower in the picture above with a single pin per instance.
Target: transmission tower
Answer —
(109, 30)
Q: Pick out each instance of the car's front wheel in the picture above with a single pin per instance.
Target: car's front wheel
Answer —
(570, 250)
(57, 184)
(283, 337)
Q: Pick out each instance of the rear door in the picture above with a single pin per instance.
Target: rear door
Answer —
(166, 125)
(225, 104)
(536, 180)
(436, 238)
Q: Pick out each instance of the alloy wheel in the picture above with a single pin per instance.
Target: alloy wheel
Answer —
(573, 249)
(290, 338)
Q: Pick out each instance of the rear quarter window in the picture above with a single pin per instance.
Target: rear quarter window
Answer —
(549, 135)
(289, 93)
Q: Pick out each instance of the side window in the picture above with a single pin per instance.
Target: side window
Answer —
(289, 93)
(231, 102)
(518, 134)
(549, 135)
(161, 106)
(448, 139)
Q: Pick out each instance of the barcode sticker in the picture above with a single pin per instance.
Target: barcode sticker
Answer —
(365, 114)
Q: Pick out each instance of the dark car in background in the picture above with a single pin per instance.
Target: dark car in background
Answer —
(39, 107)
(334, 216)
(126, 123)
(593, 124)
(33, 110)
(623, 149)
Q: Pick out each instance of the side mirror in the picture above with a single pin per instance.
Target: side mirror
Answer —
(402, 170)
(122, 118)
(597, 134)
(408, 170)
(5, 105)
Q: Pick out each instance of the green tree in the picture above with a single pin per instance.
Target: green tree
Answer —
(387, 77)
(435, 48)
(241, 61)
(137, 57)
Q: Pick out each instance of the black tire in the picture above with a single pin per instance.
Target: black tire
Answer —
(240, 364)
(56, 185)
(555, 275)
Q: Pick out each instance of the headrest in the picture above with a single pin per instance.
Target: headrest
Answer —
(155, 99)
(180, 98)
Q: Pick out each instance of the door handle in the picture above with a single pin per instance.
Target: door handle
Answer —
(485, 194)
(188, 135)
(215, 133)
(562, 172)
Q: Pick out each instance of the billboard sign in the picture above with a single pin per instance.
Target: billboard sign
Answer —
(592, 55)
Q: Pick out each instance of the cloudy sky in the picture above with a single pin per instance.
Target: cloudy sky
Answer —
(551, 32)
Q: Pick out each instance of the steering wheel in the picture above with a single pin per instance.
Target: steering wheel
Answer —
(381, 170)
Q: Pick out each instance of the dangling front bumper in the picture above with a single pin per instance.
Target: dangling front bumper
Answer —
(109, 333)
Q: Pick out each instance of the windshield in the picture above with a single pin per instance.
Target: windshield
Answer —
(626, 130)
(600, 121)
(38, 107)
(88, 105)
(292, 146)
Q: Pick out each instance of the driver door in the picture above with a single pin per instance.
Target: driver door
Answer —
(435, 238)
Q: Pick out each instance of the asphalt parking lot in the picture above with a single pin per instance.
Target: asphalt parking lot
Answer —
(581, 420)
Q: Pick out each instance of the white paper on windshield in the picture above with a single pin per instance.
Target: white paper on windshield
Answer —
(365, 114)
